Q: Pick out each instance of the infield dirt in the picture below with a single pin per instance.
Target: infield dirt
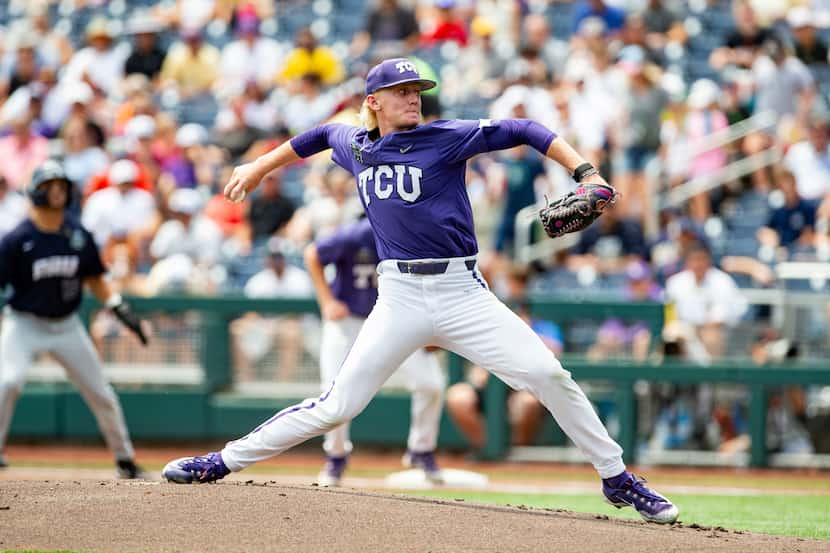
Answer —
(150, 516)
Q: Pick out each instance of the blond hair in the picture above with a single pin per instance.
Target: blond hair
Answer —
(368, 117)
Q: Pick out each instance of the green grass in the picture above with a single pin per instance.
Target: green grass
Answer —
(801, 516)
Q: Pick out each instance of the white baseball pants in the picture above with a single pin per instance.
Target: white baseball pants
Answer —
(455, 311)
(421, 371)
(25, 336)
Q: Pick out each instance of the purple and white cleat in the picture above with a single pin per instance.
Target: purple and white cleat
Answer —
(627, 490)
(332, 472)
(189, 470)
(426, 462)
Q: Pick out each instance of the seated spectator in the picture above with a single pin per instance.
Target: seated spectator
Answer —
(706, 302)
(251, 57)
(522, 168)
(122, 209)
(181, 171)
(609, 245)
(612, 17)
(309, 106)
(23, 69)
(310, 57)
(809, 161)
(744, 43)
(809, 47)
(147, 56)
(191, 66)
(83, 158)
(22, 150)
(255, 334)
(792, 220)
(616, 337)
(387, 23)
(447, 25)
(187, 232)
(466, 400)
(269, 210)
(12, 207)
(101, 64)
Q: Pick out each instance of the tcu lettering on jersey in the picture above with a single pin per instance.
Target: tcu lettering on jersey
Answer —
(65, 266)
(383, 179)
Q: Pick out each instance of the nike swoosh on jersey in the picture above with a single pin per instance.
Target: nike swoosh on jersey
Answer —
(28, 246)
(404, 150)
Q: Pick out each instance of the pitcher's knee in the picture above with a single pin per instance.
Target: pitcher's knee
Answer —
(334, 413)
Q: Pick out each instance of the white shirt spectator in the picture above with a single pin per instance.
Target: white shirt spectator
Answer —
(109, 212)
(12, 211)
(810, 168)
(294, 283)
(105, 69)
(716, 299)
(242, 62)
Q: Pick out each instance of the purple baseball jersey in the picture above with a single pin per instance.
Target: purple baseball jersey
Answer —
(412, 183)
(352, 251)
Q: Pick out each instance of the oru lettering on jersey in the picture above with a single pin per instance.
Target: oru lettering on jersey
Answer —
(62, 266)
(381, 181)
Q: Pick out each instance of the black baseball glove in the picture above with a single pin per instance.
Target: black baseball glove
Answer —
(130, 320)
(576, 210)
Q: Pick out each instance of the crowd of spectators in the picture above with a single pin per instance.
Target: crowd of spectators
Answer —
(149, 105)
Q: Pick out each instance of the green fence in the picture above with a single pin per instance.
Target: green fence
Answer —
(223, 415)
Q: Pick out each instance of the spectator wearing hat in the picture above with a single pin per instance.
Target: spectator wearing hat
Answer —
(13, 207)
(22, 69)
(388, 24)
(147, 56)
(139, 134)
(191, 66)
(122, 209)
(809, 47)
(309, 57)
(792, 219)
(251, 57)
(183, 169)
(809, 161)
(101, 63)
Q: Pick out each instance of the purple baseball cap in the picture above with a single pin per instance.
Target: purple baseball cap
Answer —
(393, 72)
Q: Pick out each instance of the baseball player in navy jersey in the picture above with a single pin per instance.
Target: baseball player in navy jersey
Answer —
(410, 178)
(345, 304)
(46, 260)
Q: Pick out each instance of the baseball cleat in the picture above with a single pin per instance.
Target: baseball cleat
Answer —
(128, 470)
(627, 490)
(332, 472)
(189, 470)
(426, 462)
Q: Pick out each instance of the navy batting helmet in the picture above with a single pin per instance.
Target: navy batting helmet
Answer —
(48, 171)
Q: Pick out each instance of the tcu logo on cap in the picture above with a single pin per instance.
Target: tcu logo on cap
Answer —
(406, 65)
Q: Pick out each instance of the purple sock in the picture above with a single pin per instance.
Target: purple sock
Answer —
(617, 481)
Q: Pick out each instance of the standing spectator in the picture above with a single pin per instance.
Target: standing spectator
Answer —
(101, 64)
(23, 149)
(122, 208)
(12, 207)
(250, 57)
(706, 301)
(784, 84)
(614, 18)
(310, 57)
(809, 47)
(147, 56)
(191, 66)
(388, 25)
(446, 26)
(269, 210)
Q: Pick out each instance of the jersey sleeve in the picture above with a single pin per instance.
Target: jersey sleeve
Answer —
(332, 248)
(91, 264)
(468, 138)
(321, 138)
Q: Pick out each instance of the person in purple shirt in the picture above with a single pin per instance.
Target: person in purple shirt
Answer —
(345, 303)
(410, 178)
